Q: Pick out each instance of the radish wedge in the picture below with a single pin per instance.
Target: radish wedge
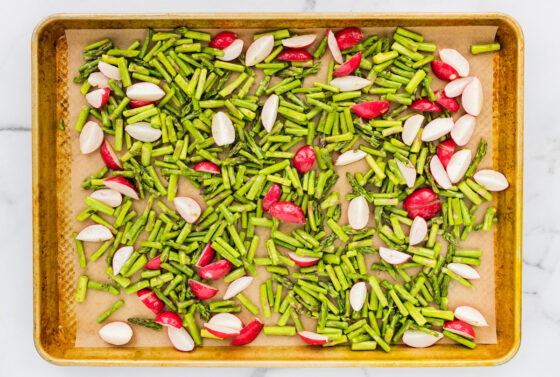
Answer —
(302, 261)
(418, 231)
(411, 127)
(145, 91)
(287, 212)
(226, 320)
(300, 41)
(136, 104)
(122, 185)
(232, 51)
(357, 295)
(271, 197)
(180, 339)
(422, 202)
(491, 180)
(98, 98)
(170, 319)
(471, 316)
(349, 157)
(270, 112)
(120, 257)
(98, 80)
(304, 159)
(349, 66)
(154, 264)
(143, 132)
(424, 104)
(408, 171)
(222, 40)
(393, 256)
(188, 208)
(259, 50)
(350, 83)
(91, 137)
(348, 37)
(207, 167)
(110, 197)
(216, 270)
(444, 71)
(294, 56)
(358, 213)
(455, 60)
(249, 333)
(116, 333)
(206, 256)
(201, 290)
(445, 151)
(109, 156)
(464, 271)
(95, 233)
(222, 129)
(463, 130)
(472, 97)
(460, 328)
(458, 165)
(439, 173)
(420, 339)
(221, 331)
(109, 71)
(237, 286)
(437, 128)
(313, 338)
(455, 88)
(450, 104)
(333, 47)
(151, 301)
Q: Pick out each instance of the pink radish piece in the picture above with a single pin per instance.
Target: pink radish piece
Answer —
(333, 46)
(237, 286)
(357, 295)
(150, 300)
(109, 71)
(222, 40)
(188, 208)
(287, 212)
(420, 339)
(422, 202)
(350, 156)
(91, 137)
(271, 197)
(437, 128)
(464, 271)
(227, 320)
(393, 256)
(122, 185)
(408, 171)
(154, 264)
(98, 80)
(116, 333)
(411, 127)
(450, 104)
(207, 167)
(456, 60)
(169, 319)
(418, 231)
(135, 104)
(313, 338)
(201, 290)
(371, 109)
(259, 50)
(206, 256)
(107, 196)
(455, 88)
(348, 37)
(460, 328)
(491, 180)
(221, 331)
(458, 165)
(120, 257)
(222, 129)
(350, 83)
(358, 213)
(349, 66)
(445, 151)
(109, 156)
(472, 97)
(180, 339)
(216, 270)
(143, 131)
(95, 233)
(304, 159)
(444, 71)
(270, 112)
(249, 333)
(233, 51)
(302, 261)
(439, 173)
(294, 56)
(463, 129)
(471, 316)
(424, 104)
(145, 91)
(300, 41)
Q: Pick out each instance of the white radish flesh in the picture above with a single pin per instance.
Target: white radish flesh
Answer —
(437, 128)
(313, 338)
(270, 112)
(333, 46)
(408, 171)
(188, 208)
(393, 256)
(358, 213)
(232, 51)
(472, 97)
(300, 41)
(110, 197)
(471, 316)
(143, 132)
(418, 231)
(237, 286)
(357, 295)
(464, 270)
(259, 50)
(98, 80)
(91, 137)
(110, 71)
(455, 88)
(411, 127)
(463, 129)
(222, 129)
(491, 180)
(98, 98)
(95, 233)
(456, 60)
(350, 83)
(116, 333)
(121, 185)
(350, 156)
(458, 165)
(145, 91)
(180, 338)
(420, 339)
(120, 257)
(439, 173)
(227, 320)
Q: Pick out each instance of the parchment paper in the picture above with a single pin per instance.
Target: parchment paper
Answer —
(481, 297)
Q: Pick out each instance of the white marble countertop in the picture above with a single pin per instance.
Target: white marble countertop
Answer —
(541, 268)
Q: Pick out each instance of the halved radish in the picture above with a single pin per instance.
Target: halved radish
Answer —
(445, 150)
(333, 47)
(98, 80)
(444, 71)
(439, 173)
(221, 331)
(169, 319)
(151, 300)
(411, 127)
(222, 129)
(226, 320)
(394, 257)
(143, 131)
(449, 103)
(222, 40)
(437, 128)
(135, 104)
(181, 339)
(491, 180)
(145, 91)
(458, 165)
(350, 83)
(313, 338)
(294, 56)
(424, 104)
(408, 171)
(237, 286)
(349, 66)
(464, 271)
(249, 333)
(420, 339)
(201, 290)
(270, 112)
(109, 71)
(348, 37)
(472, 97)
(233, 51)
(91, 137)
(470, 315)
(418, 231)
(463, 129)
(110, 197)
(206, 256)
(456, 60)
(455, 88)
(460, 328)
(287, 212)
(122, 185)
(259, 50)
(188, 208)
(216, 270)
(120, 257)
(358, 213)
(350, 156)
(300, 41)
(109, 156)
(304, 159)
(95, 233)
(271, 197)
(371, 109)
(116, 333)
(302, 261)
(207, 167)
(154, 264)
(357, 295)
(422, 202)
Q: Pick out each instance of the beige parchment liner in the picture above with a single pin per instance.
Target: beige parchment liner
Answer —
(481, 297)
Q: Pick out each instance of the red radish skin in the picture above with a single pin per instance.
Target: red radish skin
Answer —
(207, 167)
(221, 331)
(154, 264)
(201, 290)
(349, 66)
(294, 56)
(169, 319)
(444, 71)
(207, 256)
(302, 261)
(450, 104)
(223, 40)
(445, 151)
(216, 270)
(135, 104)
(271, 197)
(372, 109)
(109, 156)
(249, 333)
(151, 301)
(122, 185)
(348, 37)
(424, 104)
(287, 212)
(460, 328)
(422, 202)
(313, 338)
(304, 159)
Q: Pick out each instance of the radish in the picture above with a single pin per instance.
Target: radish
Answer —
(122, 185)
(98, 80)
(270, 112)
(420, 339)
(233, 51)
(249, 333)
(333, 46)
(455, 88)
(463, 129)
(95, 233)
(135, 104)
(259, 50)
(458, 165)
(169, 319)
(411, 127)
(437, 128)
(313, 338)
(358, 213)
(109, 156)
(109, 71)
(304, 159)
(393, 257)
(459, 328)
(464, 271)
(216, 270)
(227, 320)
(154, 264)
(348, 37)
(350, 156)
(143, 131)
(151, 300)
(294, 56)
(455, 60)
(357, 295)
(188, 208)
(471, 316)
(445, 151)
(349, 66)
(120, 257)
(91, 137)
(181, 339)
(207, 167)
(222, 129)
(424, 104)
(422, 202)
(350, 83)
(110, 197)
(439, 174)
(201, 290)
(444, 71)
(221, 331)
(145, 91)
(408, 171)
(418, 231)
(300, 41)
(450, 104)
(206, 256)
(491, 180)
(223, 40)
(237, 286)
(271, 197)
(302, 261)
(472, 97)
(371, 109)
(116, 333)
(287, 212)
